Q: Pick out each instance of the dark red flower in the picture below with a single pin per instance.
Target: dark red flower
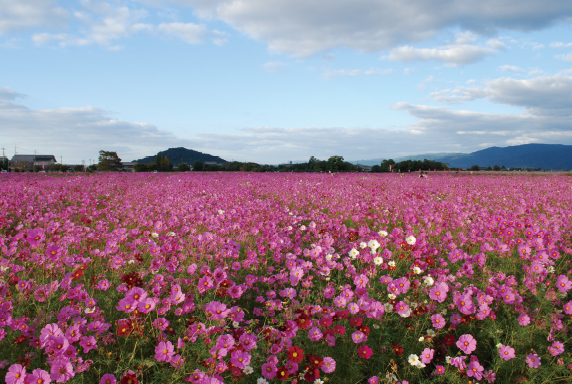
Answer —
(356, 321)
(450, 340)
(282, 373)
(316, 361)
(295, 354)
(129, 379)
(397, 349)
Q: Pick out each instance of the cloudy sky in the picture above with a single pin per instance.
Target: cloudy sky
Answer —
(277, 80)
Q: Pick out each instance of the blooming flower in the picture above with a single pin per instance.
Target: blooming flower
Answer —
(364, 352)
(328, 365)
(523, 319)
(475, 370)
(411, 240)
(427, 355)
(506, 352)
(164, 351)
(108, 378)
(533, 360)
(467, 344)
(16, 374)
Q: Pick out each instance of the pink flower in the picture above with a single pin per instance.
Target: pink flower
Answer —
(16, 374)
(328, 365)
(315, 334)
(240, 359)
(216, 310)
(556, 348)
(402, 308)
(439, 370)
(108, 378)
(506, 352)
(439, 292)
(164, 351)
(361, 281)
(269, 370)
(523, 319)
(161, 323)
(427, 355)
(490, 376)
(467, 344)
(465, 304)
(475, 370)
(364, 352)
(359, 337)
(533, 360)
(438, 321)
(38, 376)
(373, 380)
(61, 371)
(568, 308)
(563, 283)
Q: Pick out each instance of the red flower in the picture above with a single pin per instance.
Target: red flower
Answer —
(129, 379)
(364, 328)
(311, 374)
(316, 361)
(303, 322)
(356, 321)
(429, 260)
(339, 329)
(282, 373)
(77, 274)
(450, 340)
(397, 349)
(364, 352)
(295, 354)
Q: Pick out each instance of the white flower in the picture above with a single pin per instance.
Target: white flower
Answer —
(220, 211)
(353, 253)
(388, 307)
(373, 244)
(376, 326)
(378, 260)
(413, 359)
(171, 234)
(421, 338)
(130, 261)
(302, 228)
(391, 296)
(235, 324)
(382, 233)
(90, 310)
(499, 345)
(429, 280)
(420, 365)
(391, 377)
(391, 263)
(417, 270)
(406, 314)
(448, 359)
(154, 234)
(413, 305)
(262, 380)
(430, 332)
(4, 269)
(329, 257)
(550, 269)
(319, 381)
(362, 245)
(411, 240)
(248, 370)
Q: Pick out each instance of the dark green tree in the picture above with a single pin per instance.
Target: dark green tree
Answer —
(109, 161)
(474, 168)
(197, 165)
(496, 168)
(183, 167)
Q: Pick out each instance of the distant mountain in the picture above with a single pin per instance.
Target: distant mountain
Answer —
(555, 157)
(428, 156)
(181, 155)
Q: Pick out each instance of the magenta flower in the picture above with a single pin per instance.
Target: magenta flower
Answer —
(373, 380)
(61, 371)
(439, 292)
(475, 370)
(216, 310)
(108, 378)
(16, 374)
(361, 281)
(427, 355)
(506, 352)
(269, 370)
(490, 376)
(364, 352)
(328, 365)
(533, 360)
(402, 308)
(439, 370)
(563, 283)
(359, 337)
(164, 351)
(240, 359)
(438, 321)
(467, 344)
(568, 308)
(465, 304)
(161, 323)
(315, 334)
(556, 348)
(523, 319)
(88, 343)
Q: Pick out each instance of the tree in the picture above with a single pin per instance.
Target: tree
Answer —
(109, 161)
(496, 168)
(78, 168)
(183, 167)
(376, 169)
(197, 165)
(474, 168)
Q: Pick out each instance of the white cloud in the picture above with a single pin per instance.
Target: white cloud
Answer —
(559, 44)
(330, 73)
(511, 68)
(304, 28)
(21, 15)
(7, 94)
(79, 133)
(454, 55)
(567, 57)
(188, 32)
(275, 67)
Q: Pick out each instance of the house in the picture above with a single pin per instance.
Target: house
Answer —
(212, 163)
(33, 160)
(364, 168)
(128, 166)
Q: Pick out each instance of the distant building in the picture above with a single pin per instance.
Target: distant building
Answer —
(213, 163)
(128, 166)
(365, 168)
(33, 160)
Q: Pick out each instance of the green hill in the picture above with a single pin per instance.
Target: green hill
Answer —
(181, 155)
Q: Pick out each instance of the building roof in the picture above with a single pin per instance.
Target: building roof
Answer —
(33, 158)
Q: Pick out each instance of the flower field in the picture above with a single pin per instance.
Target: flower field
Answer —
(299, 278)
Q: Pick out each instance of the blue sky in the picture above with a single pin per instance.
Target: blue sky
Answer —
(278, 80)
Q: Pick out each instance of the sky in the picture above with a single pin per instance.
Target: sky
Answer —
(272, 81)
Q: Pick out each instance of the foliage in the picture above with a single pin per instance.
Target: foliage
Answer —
(198, 166)
(109, 161)
(183, 167)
